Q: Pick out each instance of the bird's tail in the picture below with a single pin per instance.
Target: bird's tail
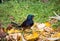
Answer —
(15, 24)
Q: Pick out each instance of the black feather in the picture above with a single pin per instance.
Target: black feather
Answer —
(15, 24)
(26, 24)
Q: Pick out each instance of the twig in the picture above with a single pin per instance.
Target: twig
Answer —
(55, 17)
(55, 13)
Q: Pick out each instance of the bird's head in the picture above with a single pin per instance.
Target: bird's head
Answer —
(30, 17)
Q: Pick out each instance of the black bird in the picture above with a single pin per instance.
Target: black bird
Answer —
(27, 23)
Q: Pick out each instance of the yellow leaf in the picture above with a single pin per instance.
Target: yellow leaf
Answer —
(48, 24)
(11, 31)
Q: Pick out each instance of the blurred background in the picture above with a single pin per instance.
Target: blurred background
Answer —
(17, 10)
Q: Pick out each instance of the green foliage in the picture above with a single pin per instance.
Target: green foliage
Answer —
(20, 9)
